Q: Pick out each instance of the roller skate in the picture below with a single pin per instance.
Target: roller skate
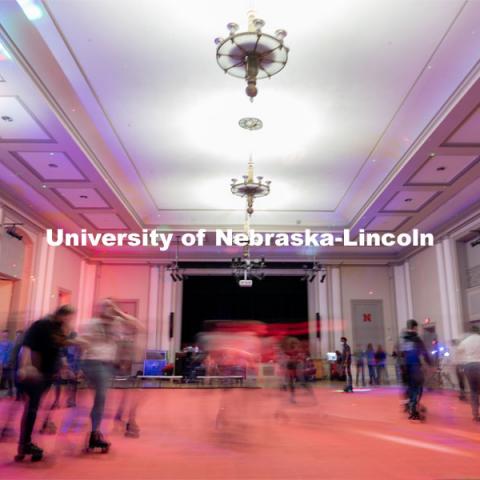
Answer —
(31, 449)
(132, 430)
(97, 442)
(418, 414)
(348, 389)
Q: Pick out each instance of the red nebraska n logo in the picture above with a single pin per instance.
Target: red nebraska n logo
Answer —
(367, 317)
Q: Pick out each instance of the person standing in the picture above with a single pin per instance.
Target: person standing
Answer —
(37, 364)
(359, 355)
(413, 351)
(372, 370)
(381, 363)
(469, 350)
(6, 347)
(347, 364)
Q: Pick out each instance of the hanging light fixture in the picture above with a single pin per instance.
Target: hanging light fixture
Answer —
(176, 273)
(249, 187)
(252, 55)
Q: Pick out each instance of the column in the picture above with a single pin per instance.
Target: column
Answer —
(44, 277)
(153, 298)
(167, 307)
(86, 294)
(403, 295)
(336, 307)
(452, 278)
(446, 333)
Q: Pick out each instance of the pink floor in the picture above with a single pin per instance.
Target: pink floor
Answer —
(342, 436)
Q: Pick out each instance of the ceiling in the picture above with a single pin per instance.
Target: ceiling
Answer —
(374, 123)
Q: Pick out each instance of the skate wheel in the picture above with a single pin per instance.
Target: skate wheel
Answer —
(105, 450)
(19, 457)
(37, 458)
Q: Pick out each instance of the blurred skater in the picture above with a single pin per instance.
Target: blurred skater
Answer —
(102, 335)
(413, 351)
(38, 361)
(469, 349)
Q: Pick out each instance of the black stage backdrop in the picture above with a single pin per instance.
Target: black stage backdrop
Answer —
(271, 300)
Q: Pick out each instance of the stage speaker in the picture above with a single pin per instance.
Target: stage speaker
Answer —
(170, 325)
(319, 325)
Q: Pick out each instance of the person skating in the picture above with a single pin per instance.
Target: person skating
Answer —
(469, 351)
(101, 336)
(413, 351)
(37, 364)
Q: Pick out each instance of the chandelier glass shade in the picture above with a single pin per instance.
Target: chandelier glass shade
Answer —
(252, 55)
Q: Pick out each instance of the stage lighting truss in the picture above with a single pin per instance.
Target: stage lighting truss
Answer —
(252, 55)
(310, 273)
(176, 273)
(245, 268)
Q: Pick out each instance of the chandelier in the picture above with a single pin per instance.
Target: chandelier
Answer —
(176, 273)
(252, 55)
(250, 188)
(245, 268)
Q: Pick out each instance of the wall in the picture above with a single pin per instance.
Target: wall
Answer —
(425, 288)
(66, 275)
(124, 282)
(369, 283)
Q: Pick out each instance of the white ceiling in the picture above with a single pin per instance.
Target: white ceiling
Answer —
(351, 66)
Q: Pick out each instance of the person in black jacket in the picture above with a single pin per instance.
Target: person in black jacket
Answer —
(38, 362)
(413, 350)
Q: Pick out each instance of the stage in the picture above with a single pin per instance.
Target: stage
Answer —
(260, 435)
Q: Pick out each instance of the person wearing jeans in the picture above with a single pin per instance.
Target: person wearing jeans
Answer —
(469, 349)
(101, 336)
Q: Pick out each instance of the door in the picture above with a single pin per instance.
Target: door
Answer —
(367, 322)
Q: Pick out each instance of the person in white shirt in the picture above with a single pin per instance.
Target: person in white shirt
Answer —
(101, 338)
(469, 352)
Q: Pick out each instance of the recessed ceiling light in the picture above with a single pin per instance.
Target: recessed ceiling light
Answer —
(408, 199)
(52, 154)
(53, 165)
(83, 196)
(250, 123)
(44, 186)
(441, 168)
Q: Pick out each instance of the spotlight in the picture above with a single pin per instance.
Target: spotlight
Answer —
(475, 242)
(12, 231)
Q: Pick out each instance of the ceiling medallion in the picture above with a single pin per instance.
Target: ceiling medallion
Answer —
(250, 188)
(250, 123)
(252, 55)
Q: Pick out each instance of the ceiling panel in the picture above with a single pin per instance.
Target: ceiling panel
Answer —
(82, 197)
(50, 166)
(442, 169)
(386, 223)
(18, 124)
(105, 221)
(409, 201)
(469, 131)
